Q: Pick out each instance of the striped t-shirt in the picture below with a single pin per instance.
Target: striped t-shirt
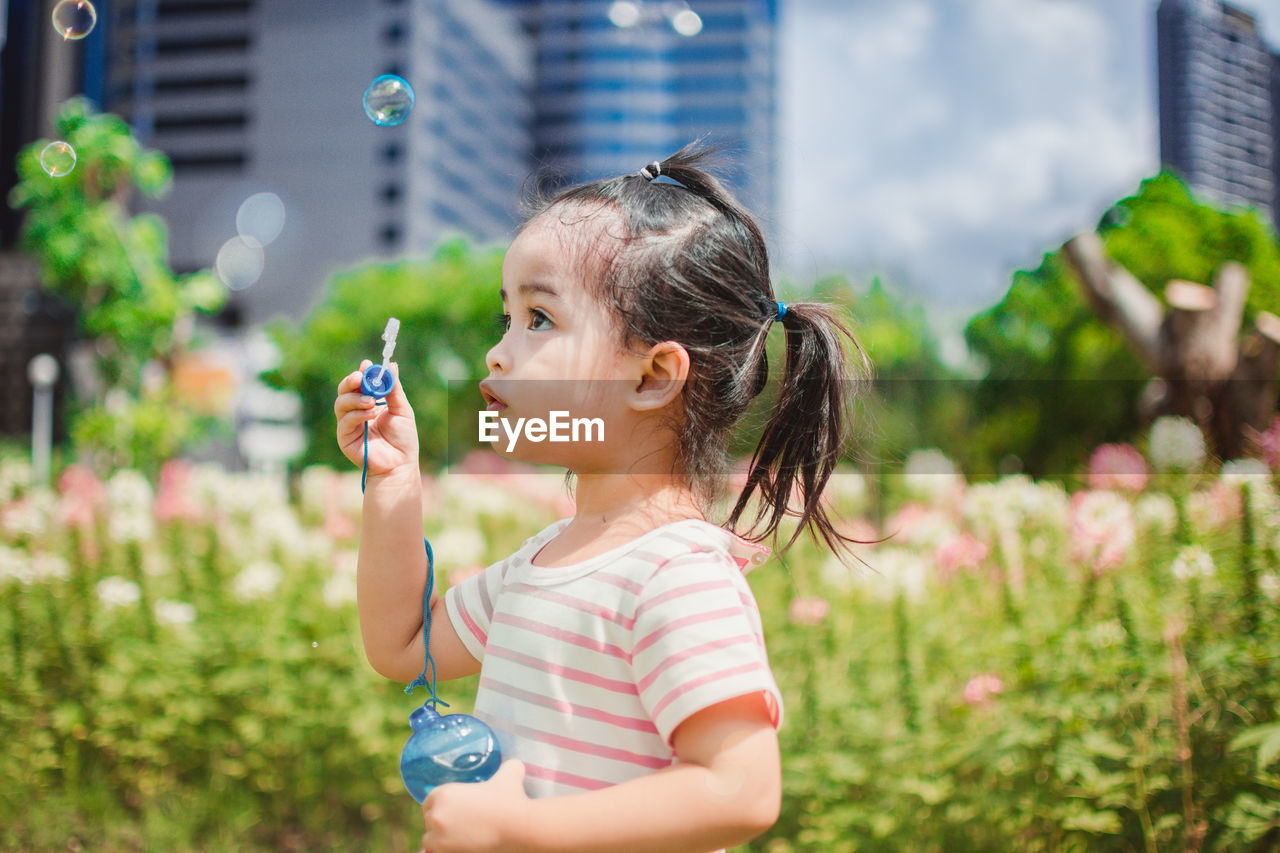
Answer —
(587, 670)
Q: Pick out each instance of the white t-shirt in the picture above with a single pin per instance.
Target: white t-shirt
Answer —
(587, 670)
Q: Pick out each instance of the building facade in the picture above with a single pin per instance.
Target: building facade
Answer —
(1218, 102)
(249, 96)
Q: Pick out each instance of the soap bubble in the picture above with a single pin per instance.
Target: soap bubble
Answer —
(58, 159)
(314, 644)
(687, 23)
(388, 100)
(261, 217)
(239, 262)
(74, 19)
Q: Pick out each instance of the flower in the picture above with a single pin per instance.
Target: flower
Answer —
(1239, 472)
(982, 688)
(1102, 530)
(257, 580)
(16, 564)
(1117, 466)
(964, 551)
(931, 476)
(1268, 442)
(1175, 444)
(128, 489)
(115, 591)
(808, 610)
(130, 525)
(459, 545)
(1156, 513)
(174, 499)
(45, 567)
(1107, 634)
(1192, 561)
(174, 612)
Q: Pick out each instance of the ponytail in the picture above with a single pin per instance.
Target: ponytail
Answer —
(810, 425)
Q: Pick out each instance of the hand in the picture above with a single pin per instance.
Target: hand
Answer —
(393, 433)
(476, 817)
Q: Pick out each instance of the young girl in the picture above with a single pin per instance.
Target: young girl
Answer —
(622, 664)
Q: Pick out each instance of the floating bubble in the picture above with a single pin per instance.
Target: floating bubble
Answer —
(239, 262)
(388, 100)
(58, 159)
(74, 19)
(315, 645)
(261, 217)
(624, 14)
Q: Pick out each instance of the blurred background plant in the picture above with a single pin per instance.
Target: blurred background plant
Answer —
(134, 315)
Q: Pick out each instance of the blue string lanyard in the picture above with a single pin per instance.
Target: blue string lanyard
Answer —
(429, 666)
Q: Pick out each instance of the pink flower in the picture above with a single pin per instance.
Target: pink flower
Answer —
(173, 498)
(1102, 529)
(1119, 467)
(83, 494)
(809, 611)
(965, 551)
(1268, 443)
(981, 689)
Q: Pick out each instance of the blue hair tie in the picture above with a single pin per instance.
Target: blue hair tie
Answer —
(782, 311)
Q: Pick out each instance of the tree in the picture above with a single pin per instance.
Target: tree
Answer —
(1059, 381)
(133, 313)
(446, 306)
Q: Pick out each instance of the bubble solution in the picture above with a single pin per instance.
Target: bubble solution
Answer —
(58, 159)
(74, 19)
(388, 100)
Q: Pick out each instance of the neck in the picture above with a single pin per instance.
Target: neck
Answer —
(609, 500)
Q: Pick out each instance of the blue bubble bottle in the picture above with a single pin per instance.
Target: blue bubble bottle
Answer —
(449, 748)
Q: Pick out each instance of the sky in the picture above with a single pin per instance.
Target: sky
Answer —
(943, 144)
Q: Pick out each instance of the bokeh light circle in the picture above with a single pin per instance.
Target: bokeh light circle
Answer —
(261, 217)
(239, 262)
(58, 159)
(388, 100)
(687, 22)
(74, 19)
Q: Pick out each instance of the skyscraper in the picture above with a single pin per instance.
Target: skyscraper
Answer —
(611, 98)
(248, 96)
(1218, 117)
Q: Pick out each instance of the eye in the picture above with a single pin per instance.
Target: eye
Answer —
(538, 317)
(503, 321)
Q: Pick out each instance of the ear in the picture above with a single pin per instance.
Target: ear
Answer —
(663, 371)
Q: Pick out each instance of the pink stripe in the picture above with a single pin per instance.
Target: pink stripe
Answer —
(653, 762)
(618, 581)
(565, 636)
(569, 709)
(675, 625)
(576, 603)
(612, 684)
(471, 624)
(681, 591)
(561, 778)
(692, 651)
(677, 692)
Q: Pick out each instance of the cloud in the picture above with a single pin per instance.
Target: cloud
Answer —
(951, 142)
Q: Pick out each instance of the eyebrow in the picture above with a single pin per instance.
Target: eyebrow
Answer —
(531, 287)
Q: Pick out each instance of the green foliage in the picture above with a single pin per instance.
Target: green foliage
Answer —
(446, 307)
(1059, 381)
(113, 270)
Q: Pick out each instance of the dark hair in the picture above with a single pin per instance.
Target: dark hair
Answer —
(691, 266)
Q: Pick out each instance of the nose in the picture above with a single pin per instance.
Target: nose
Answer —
(497, 359)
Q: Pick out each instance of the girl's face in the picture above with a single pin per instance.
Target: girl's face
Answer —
(560, 350)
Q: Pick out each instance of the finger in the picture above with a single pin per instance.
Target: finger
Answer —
(397, 402)
(350, 382)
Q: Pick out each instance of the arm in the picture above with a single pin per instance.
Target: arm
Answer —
(724, 790)
(391, 572)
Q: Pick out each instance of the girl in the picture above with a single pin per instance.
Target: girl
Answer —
(622, 664)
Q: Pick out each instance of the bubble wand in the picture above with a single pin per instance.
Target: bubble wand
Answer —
(442, 748)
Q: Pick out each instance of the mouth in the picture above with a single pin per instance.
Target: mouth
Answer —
(492, 401)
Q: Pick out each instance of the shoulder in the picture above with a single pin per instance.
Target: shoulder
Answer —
(693, 541)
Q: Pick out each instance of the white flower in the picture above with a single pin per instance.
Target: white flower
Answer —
(24, 518)
(16, 564)
(15, 477)
(174, 612)
(459, 545)
(1175, 444)
(47, 567)
(314, 486)
(1106, 634)
(257, 580)
(930, 475)
(1155, 512)
(128, 489)
(339, 589)
(1102, 528)
(130, 525)
(115, 591)
(895, 570)
(1239, 472)
(846, 491)
(1191, 562)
